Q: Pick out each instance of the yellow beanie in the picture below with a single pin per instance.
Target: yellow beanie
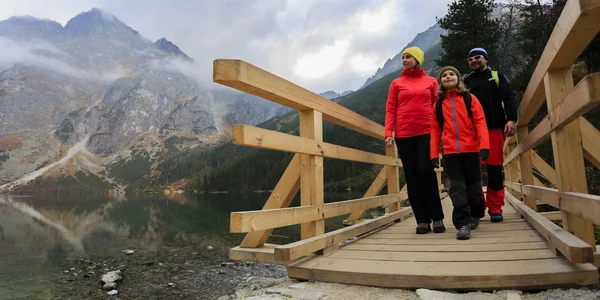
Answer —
(415, 52)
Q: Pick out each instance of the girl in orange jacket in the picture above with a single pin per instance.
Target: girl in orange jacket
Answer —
(463, 131)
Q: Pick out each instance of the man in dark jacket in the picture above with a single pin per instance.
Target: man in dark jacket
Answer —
(497, 98)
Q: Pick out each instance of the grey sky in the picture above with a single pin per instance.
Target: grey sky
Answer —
(321, 45)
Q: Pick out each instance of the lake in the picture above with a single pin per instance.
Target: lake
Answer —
(38, 233)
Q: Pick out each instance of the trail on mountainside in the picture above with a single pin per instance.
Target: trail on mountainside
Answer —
(79, 147)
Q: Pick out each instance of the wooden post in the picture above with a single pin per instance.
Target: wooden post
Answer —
(509, 168)
(393, 184)
(526, 171)
(568, 153)
(311, 172)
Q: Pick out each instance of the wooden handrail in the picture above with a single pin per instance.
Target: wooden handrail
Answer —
(249, 221)
(584, 97)
(575, 29)
(581, 205)
(267, 139)
(248, 78)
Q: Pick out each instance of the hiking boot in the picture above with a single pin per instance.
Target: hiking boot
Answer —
(423, 228)
(496, 217)
(464, 233)
(474, 223)
(438, 226)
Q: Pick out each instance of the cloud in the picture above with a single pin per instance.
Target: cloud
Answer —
(43, 55)
(299, 40)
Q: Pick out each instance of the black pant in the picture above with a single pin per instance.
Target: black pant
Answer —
(421, 181)
(464, 175)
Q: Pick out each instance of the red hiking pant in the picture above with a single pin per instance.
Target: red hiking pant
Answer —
(495, 184)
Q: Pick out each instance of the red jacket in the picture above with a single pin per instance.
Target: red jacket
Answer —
(461, 135)
(409, 104)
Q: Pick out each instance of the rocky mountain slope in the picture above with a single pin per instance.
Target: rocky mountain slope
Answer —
(99, 81)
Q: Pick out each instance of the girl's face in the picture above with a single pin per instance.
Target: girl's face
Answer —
(408, 61)
(449, 80)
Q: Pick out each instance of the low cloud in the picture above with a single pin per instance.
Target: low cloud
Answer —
(290, 38)
(45, 56)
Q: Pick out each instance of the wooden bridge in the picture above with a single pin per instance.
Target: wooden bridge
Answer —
(526, 251)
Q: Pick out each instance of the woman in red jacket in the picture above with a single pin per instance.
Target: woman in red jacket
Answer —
(464, 138)
(409, 103)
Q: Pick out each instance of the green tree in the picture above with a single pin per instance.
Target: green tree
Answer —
(469, 24)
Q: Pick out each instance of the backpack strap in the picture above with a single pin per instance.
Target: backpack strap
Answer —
(497, 80)
(439, 113)
(496, 77)
(468, 100)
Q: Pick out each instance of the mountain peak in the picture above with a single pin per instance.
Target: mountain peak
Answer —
(96, 22)
(30, 28)
(167, 46)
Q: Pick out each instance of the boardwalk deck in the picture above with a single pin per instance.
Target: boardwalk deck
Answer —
(511, 254)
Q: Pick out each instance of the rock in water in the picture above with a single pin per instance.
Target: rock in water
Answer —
(112, 293)
(112, 276)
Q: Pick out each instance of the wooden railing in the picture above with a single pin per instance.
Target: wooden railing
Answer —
(305, 171)
(573, 138)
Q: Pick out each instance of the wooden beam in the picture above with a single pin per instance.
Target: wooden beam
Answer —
(590, 137)
(374, 190)
(509, 141)
(249, 221)
(537, 182)
(584, 206)
(393, 181)
(513, 185)
(311, 173)
(576, 27)
(266, 139)
(281, 197)
(264, 254)
(512, 172)
(247, 78)
(574, 249)
(552, 215)
(526, 165)
(567, 145)
(580, 100)
(306, 247)
(543, 167)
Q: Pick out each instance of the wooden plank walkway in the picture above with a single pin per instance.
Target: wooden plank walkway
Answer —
(510, 254)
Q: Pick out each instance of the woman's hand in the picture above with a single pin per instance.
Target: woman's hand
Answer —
(389, 141)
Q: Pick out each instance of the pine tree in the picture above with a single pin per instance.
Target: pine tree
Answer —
(469, 24)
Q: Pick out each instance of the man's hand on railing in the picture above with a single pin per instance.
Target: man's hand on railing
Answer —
(510, 128)
(389, 141)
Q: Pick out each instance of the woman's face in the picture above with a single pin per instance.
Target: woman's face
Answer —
(449, 80)
(408, 62)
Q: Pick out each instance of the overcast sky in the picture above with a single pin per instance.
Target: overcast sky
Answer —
(319, 44)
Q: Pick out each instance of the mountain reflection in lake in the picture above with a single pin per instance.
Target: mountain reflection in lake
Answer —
(38, 233)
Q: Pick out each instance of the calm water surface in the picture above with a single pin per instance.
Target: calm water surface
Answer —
(37, 234)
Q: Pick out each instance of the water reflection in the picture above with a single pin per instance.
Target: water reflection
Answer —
(38, 233)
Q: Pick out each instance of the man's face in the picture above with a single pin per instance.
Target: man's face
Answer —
(477, 63)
